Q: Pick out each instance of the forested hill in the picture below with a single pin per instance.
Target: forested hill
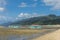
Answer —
(41, 20)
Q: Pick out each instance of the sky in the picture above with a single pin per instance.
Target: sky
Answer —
(11, 10)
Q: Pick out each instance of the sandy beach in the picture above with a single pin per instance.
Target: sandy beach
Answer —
(18, 34)
(50, 36)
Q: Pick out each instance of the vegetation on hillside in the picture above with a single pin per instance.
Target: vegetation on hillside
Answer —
(41, 20)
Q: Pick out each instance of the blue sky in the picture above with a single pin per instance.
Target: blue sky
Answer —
(19, 9)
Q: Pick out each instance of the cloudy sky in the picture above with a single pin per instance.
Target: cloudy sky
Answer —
(11, 10)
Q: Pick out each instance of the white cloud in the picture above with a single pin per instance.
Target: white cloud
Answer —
(24, 15)
(54, 3)
(3, 3)
(2, 9)
(23, 4)
(28, 15)
(4, 18)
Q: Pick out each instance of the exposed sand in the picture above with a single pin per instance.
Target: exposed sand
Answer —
(5, 32)
(50, 36)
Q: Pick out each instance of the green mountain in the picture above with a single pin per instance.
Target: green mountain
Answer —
(41, 20)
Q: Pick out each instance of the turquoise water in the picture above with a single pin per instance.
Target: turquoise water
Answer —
(30, 26)
(34, 27)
